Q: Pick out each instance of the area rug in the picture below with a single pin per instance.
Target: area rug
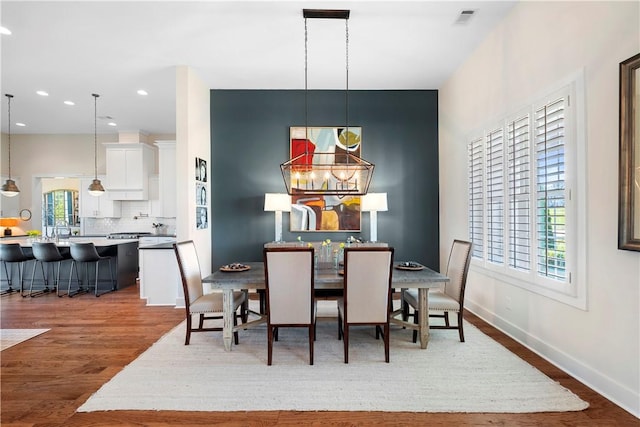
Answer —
(478, 375)
(11, 337)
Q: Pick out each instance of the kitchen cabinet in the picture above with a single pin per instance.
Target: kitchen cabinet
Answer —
(146, 241)
(128, 169)
(160, 280)
(97, 207)
(167, 193)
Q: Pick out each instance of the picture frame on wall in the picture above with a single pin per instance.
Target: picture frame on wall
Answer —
(202, 213)
(325, 213)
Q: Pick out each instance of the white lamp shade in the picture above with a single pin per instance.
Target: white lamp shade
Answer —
(374, 202)
(277, 202)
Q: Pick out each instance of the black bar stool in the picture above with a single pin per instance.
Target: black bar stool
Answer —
(11, 253)
(46, 253)
(85, 253)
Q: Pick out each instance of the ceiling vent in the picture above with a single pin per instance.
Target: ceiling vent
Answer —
(465, 16)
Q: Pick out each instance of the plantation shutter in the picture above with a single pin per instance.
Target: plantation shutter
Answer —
(551, 197)
(495, 196)
(519, 194)
(476, 198)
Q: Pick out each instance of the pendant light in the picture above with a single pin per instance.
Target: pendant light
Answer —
(96, 188)
(339, 173)
(9, 188)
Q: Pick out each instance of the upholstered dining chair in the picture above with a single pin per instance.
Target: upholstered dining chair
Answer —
(290, 301)
(367, 293)
(441, 303)
(196, 302)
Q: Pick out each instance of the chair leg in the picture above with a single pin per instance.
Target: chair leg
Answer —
(386, 342)
(446, 319)
(345, 338)
(188, 336)
(311, 338)
(416, 315)
(460, 329)
(9, 287)
(235, 333)
(269, 344)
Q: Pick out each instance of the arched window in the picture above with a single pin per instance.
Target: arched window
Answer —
(60, 207)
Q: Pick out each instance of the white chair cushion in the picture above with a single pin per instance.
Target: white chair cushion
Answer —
(438, 300)
(212, 303)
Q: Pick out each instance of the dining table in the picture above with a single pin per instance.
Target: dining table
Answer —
(420, 277)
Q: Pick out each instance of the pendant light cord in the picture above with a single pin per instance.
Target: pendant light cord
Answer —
(346, 136)
(95, 134)
(9, 134)
(306, 89)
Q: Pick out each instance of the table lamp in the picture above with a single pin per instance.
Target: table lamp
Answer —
(374, 203)
(278, 203)
(7, 223)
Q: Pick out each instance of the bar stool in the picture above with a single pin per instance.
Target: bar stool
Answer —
(85, 253)
(11, 253)
(45, 253)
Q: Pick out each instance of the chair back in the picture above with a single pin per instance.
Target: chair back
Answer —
(46, 251)
(367, 284)
(84, 252)
(11, 252)
(189, 267)
(289, 285)
(457, 269)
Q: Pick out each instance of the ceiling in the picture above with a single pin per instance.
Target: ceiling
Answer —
(113, 48)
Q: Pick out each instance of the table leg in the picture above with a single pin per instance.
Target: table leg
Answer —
(423, 317)
(227, 318)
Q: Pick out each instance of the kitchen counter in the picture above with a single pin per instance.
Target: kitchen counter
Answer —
(123, 251)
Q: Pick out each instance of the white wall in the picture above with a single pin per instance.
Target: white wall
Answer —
(193, 139)
(537, 45)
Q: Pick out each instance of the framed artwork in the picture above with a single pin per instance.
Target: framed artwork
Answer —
(324, 212)
(202, 214)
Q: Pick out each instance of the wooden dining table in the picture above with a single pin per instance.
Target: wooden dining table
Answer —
(330, 278)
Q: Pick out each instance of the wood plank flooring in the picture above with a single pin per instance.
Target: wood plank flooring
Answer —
(44, 380)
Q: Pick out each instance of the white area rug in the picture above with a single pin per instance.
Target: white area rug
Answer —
(449, 376)
(11, 337)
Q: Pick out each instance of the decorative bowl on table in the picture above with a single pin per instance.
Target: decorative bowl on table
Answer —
(235, 267)
(409, 265)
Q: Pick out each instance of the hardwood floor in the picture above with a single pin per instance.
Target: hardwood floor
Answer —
(45, 379)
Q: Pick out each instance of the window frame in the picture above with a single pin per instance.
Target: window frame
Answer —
(572, 291)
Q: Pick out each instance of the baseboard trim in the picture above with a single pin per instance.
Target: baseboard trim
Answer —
(619, 394)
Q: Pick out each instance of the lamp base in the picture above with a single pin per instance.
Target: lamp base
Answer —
(7, 232)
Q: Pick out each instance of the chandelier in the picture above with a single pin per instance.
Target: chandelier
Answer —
(9, 188)
(341, 172)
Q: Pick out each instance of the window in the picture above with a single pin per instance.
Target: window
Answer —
(60, 207)
(521, 217)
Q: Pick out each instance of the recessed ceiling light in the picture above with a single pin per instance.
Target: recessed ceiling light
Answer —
(112, 124)
(42, 93)
(6, 31)
(20, 124)
(69, 103)
(142, 92)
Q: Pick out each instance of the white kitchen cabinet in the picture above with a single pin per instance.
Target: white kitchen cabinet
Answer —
(167, 193)
(128, 169)
(146, 241)
(97, 207)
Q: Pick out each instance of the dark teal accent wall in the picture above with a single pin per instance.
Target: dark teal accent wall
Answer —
(250, 139)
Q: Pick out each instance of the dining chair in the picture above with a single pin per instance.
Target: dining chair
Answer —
(196, 302)
(290, 300)
(451, 299)
(367, 293)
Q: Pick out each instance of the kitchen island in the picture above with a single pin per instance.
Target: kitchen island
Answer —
(124, 253)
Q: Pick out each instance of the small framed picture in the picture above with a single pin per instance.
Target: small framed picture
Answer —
(202, 220)
(201, 170)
